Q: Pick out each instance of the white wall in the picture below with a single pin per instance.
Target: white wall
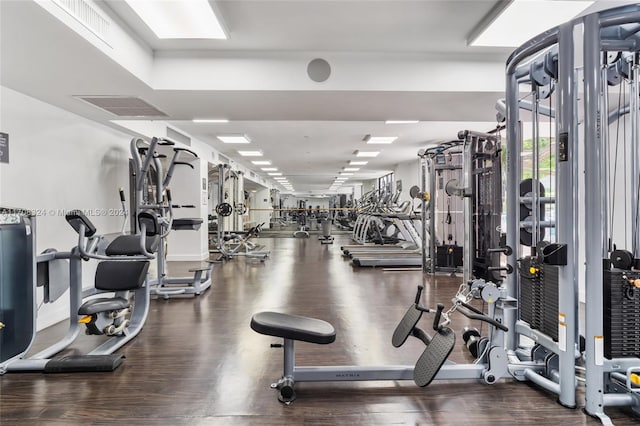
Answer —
(58, 162)
(409, 173)
(260, 207)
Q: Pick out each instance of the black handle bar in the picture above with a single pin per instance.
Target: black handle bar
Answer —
(508, 268)
(482, 317)
(506, 250)
(436, 319)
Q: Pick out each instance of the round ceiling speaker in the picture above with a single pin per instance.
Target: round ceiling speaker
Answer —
(319, 70)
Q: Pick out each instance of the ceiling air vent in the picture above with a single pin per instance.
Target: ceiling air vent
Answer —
(124, 106)
(85, 12)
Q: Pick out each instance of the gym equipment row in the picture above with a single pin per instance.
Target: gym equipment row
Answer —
(572, 216)
(121, 277)
(385, 232)
(230, 240)
(151, 193)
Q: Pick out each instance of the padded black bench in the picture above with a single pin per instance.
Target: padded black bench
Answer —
(293, 327)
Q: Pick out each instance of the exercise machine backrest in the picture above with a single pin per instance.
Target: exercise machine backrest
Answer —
(116, 275)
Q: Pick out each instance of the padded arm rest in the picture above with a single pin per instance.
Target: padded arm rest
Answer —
(186, 224)
(293, 327)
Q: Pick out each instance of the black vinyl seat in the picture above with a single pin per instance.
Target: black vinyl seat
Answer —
(103, 304)
(293, 327)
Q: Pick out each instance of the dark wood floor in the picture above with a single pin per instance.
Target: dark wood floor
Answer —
(198, 362)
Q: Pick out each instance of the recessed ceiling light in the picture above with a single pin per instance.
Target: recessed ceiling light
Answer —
(513, 25)
(269, 169)
(351, 169)
(401, 121)
(379, 139)
(234, 138)
(357, 163)
(250, 153)
(341, 178)
(210, 120)
(280, 178)
(262, 162)
(275, 174)
(367, 153)
(346, 174)
(179, 19)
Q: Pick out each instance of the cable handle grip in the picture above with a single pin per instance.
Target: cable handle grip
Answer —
(436, 319)
(508, 268)
(122, 198)
(418, 295)
(506, 250)
(169, 195)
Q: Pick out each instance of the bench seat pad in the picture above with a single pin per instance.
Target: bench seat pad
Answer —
(293, 327)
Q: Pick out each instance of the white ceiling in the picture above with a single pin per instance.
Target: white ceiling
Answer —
(397, 59)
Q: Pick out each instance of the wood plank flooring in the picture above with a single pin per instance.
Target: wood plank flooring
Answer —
(197, 362)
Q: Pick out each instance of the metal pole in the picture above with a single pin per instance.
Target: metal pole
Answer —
(605, 161)
(513, 195)
(633, 88)
(566, 188)
(594, 349)
(432, 221)
(535, 175)
(468, 251)
(423, 211)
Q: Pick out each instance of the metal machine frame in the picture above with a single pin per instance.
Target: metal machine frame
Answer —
(47, 270)
(230, 210)
(479, 158)
(151, 193)
(547, 63)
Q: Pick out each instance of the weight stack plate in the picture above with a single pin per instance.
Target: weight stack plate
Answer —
(530, 296)
(621, 320)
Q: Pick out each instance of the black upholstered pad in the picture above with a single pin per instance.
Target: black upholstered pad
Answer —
(102, 305)
(293, 327)
(129, 245)
(117, 275)
(406, 325)
(434, 355)
(75, 218)
(186, 224)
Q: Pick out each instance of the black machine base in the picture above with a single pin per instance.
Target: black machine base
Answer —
(84, 364)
